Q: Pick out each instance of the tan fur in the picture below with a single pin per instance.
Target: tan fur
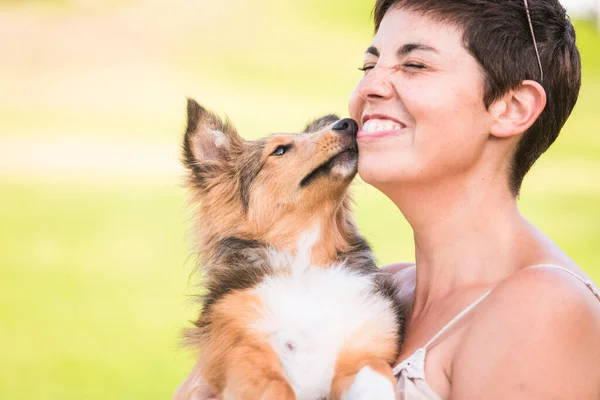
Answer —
(324, 204)
(350, 363)
(236, 361)
(368, 347)
(235, 355)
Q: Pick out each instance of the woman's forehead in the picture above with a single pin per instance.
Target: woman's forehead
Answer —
(403, 30)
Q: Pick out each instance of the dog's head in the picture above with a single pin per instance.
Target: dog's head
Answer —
(272, 187)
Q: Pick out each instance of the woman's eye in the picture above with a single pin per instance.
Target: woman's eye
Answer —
(415, 65)
(280, 150)
(411, 65)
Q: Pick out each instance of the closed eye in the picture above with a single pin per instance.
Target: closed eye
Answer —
(281, 150)
(415, 65)
(411, 65)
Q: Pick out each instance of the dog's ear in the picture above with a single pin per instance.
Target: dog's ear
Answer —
(321, 123)
(207, 144)
(207, 137)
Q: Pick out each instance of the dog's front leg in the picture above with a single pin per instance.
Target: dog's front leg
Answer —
(237, 361)
(360, 376)
(255, 373)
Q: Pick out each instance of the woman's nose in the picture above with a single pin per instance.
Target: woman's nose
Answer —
(377, 84)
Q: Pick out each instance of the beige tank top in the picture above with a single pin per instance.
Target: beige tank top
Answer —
(412, 384)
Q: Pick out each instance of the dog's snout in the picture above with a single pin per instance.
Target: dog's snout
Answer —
(346, 125)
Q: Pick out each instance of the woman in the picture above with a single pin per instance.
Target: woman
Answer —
(458, 100)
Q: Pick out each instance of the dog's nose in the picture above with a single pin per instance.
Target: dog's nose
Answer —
(346, 125)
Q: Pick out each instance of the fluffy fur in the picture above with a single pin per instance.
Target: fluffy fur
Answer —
(294, 306)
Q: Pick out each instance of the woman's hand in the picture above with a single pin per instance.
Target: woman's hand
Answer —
(194, 388)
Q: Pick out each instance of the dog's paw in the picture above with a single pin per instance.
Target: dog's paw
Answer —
(278, 390)
(370, 385)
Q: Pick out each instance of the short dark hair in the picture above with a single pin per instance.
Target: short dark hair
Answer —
(497, 34)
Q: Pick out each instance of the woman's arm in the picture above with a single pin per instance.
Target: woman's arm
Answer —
(537, 336)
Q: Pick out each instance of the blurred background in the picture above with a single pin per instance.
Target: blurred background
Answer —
(94, 250)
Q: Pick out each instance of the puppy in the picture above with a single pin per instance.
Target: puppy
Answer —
(294, 306)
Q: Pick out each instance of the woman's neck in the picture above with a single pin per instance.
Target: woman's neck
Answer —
(466, 236)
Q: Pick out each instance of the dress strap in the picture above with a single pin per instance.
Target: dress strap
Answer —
(457, 318)
(414, 365)
(586, 282)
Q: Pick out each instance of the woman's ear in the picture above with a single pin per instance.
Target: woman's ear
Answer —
(517, 110)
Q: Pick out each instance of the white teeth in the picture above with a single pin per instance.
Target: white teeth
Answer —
(380, 125)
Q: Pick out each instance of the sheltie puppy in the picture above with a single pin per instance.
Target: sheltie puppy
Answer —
(294, 306)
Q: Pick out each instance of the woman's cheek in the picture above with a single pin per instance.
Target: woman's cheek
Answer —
(355, 105)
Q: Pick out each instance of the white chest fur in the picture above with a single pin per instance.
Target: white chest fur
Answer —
(309, 314)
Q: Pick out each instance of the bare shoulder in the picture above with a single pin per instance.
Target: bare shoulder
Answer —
(405, 277)
(544, 286)
(536, 336)
(404, 274)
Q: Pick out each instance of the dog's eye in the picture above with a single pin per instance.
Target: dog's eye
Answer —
(280, 150)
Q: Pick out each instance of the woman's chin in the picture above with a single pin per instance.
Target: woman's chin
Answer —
(382, 175)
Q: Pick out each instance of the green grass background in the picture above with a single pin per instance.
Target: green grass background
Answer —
(94, 264)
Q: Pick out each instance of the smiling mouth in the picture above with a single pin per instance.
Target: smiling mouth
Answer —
(375, 126)
(344, 156)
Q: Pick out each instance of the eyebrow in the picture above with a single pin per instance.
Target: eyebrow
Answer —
(404, 50)
(372, 50)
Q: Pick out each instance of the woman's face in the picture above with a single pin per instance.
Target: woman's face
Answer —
(419, 105)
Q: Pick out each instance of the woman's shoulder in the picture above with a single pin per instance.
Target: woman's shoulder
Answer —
(404, 274)
(398, 267)
(541, 296)
(543, 288)
(535, 328)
